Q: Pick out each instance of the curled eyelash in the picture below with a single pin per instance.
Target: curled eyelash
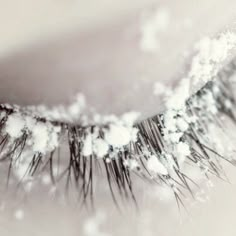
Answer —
(162, 149)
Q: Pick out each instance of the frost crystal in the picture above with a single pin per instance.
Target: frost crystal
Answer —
(155, 166)
(15, 125)
(119, 136)
(100, 147)
(210, 56)
(88, 146)
(182, 151)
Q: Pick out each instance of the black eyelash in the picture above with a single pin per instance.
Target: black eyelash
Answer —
(80, 170)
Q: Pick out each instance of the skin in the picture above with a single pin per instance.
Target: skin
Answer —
(100, 56)
(96, 51)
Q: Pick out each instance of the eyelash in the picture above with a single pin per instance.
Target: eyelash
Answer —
(121, 165)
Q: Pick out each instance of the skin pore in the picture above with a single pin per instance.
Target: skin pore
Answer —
(101, 57)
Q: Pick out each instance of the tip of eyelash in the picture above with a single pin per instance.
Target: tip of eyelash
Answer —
(159, 150)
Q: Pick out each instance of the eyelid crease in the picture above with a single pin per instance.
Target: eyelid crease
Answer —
(227, 70)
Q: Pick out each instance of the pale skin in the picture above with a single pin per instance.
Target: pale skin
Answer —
(51, 50)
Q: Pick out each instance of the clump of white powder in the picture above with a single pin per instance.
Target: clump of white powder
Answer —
(120, 132)
(132, 164)
(210, 56)
(100, 147)
(15, 125)
(94, 145)
(88, 146)
(182, 150)
(155, 166)
(43, 135)
(119, 136)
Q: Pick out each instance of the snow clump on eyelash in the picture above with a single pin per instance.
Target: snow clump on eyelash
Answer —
(94, 146)
(154, 165)
(15, 125)
(211, 54)
(118, 135)
(43, 136)
(210, 57)
(120, 132)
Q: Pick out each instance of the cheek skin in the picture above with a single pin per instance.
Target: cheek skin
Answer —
(106, 65)
(154, 217)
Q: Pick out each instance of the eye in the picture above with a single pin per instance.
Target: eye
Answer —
(136, 128)
(156, 149)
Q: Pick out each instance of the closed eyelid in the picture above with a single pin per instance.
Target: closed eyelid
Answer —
(107, 59)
